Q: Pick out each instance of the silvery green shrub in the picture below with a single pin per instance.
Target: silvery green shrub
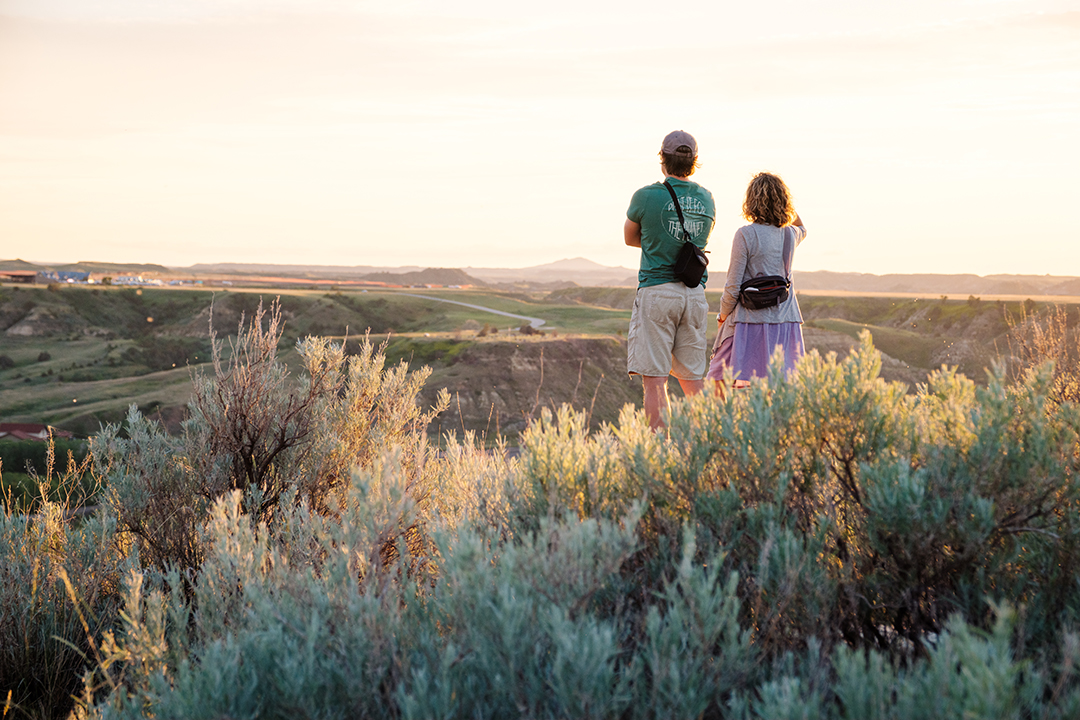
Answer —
(255, 429)
(821, 546)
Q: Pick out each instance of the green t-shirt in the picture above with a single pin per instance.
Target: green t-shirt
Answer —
(661, 235)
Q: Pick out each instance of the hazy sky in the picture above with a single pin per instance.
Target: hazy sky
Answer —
(916, 136)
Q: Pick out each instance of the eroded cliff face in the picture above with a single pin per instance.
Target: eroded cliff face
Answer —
(497, 387)
(48, 321)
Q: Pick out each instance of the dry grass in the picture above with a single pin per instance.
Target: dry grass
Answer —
(1051, 335)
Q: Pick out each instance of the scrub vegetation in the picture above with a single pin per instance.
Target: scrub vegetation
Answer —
(77, 357)
(828, 545)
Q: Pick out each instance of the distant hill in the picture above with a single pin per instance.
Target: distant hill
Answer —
(562, 273)
(575, 271)
(88, 266)
(18, 266)
(939, 284)
(427, 276)
(1068, 287)
(578, 264)
(114, 268)
(309, 271)
(584, 273)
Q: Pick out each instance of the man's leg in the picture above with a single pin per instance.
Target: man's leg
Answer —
(691, 387)
(688, 358)
(656, 402)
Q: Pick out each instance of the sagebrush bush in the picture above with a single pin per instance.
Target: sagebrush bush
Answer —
(852, 512)
(820, 546)
(255, 429)
(276, 633)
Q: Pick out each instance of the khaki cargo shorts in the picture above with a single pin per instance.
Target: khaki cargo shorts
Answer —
(667, 332)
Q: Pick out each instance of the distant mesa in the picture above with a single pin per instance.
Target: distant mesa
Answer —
(283, 270)
(957, 285)
(562, 274)
(18, 266)
(1067, 287)
(428, 276)
(559, 274)
(103, 268)
(80, 271)
(566, 273)
(578, 264)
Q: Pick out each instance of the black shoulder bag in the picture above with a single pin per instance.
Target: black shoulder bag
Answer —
(771, 290)
(691, 262)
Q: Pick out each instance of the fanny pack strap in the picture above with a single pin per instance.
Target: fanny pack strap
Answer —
(788, 252)
(678, 209)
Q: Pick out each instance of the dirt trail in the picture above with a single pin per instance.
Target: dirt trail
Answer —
(534, 322)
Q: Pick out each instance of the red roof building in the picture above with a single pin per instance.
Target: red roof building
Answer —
(30, 431)
(27, 277)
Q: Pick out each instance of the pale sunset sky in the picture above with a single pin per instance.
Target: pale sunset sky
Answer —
(916, 136)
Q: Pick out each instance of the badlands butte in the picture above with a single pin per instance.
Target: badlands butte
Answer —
(504, 343)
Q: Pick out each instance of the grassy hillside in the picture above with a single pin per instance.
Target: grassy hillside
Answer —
(498, 386)
(78, 356)
(915, 336)
(924, 333)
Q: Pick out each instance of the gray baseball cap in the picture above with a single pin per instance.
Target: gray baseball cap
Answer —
(677, 139)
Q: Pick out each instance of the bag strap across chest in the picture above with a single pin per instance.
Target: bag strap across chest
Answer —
(678, 209)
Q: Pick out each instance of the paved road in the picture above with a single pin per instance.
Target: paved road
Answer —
(535, 322)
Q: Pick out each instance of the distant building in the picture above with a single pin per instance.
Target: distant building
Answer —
(19, 276)
(63, 276)
(30, 431)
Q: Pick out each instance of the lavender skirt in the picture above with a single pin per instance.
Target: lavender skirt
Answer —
(749, 350)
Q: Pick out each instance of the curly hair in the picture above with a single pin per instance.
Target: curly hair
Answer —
(768, 201)
(679, 164)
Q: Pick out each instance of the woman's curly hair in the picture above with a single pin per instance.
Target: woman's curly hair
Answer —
(768, 201)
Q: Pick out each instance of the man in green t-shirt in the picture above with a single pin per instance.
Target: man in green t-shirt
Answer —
(667, 326)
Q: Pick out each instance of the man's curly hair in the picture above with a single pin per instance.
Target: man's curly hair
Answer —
(768, 201)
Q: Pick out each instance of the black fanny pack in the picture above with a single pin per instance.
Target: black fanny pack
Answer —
(691, 261)
(764, 292)
(769, 290)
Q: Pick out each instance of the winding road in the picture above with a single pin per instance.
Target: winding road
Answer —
(534, 322)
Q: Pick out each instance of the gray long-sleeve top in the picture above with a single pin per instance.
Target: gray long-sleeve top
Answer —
(757, 251)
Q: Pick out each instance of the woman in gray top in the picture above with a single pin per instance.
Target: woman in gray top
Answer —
(748, 338)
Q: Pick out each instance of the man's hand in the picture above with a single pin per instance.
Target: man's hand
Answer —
(632, 233)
